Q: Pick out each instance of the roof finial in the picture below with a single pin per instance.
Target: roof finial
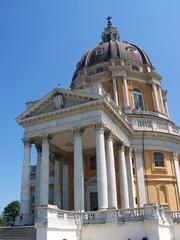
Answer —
(109, 24)
(110, 33)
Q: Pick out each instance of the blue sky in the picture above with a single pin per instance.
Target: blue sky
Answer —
(41, 42)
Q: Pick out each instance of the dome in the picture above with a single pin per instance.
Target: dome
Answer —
(111, 48)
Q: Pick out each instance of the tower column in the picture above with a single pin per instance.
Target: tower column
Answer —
(38, 167)
(25, 181)
(78, 170)
(44, 172)
(123, 178)
(130, 178)
(115, 90)
(176, 165)
(155, 97)
(166, 107)
(101, 167)
(126, 99)
(140, 177)
(162, 102)
(111, 175)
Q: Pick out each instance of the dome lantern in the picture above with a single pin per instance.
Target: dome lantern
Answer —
(110, 32)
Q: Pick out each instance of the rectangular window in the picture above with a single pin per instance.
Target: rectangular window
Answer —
(93, 163)
(158, 159)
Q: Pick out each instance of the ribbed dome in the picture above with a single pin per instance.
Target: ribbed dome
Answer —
(112, 48)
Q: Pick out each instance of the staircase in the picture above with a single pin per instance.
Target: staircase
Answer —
(18, 233)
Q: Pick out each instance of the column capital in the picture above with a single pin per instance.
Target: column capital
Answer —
(26, 141)
(78, 131)
(100, 126)
(129, 150)
(121, 146)
(109, 135)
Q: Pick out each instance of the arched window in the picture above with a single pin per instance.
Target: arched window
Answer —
(99, 70)
(158, 159)
(138, 99)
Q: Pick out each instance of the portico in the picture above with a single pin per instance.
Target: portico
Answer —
(63, 150)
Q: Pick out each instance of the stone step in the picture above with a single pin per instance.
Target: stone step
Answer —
(18, 233)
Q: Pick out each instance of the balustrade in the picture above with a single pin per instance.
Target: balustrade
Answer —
(145, 124)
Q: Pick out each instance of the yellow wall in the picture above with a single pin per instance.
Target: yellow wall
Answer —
(159, 179)
(147, 94)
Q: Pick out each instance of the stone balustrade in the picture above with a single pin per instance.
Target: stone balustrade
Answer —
(155, 125)
(106, 216)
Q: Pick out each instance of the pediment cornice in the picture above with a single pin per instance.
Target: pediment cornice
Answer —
(44, 101)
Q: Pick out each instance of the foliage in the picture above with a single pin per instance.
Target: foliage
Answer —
(10, 212)
(1, 222)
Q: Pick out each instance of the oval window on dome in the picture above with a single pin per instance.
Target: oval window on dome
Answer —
(99, 69)
(138, 99)
(131, 49)
(135, 68)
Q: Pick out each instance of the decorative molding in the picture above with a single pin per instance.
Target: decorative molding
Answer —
(27, 142)
(100, 126)
(78, 132)
(109, 135)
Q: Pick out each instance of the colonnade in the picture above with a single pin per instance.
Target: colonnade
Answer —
(106, 174)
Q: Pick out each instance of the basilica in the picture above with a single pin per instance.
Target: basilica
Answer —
(107, 151)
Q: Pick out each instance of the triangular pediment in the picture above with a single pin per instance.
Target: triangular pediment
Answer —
(56, 100)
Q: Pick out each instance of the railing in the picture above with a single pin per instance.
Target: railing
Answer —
(174, 215)
(119, 216)
(94, 217)
(155, 125)
(135, 214)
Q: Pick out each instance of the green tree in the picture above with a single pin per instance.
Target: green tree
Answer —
(10, 212)
(1, 222)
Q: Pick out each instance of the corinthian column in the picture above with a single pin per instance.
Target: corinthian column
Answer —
(111, 175)
(115, 90)
(44, 172)
(78, 170)
(155, 97)
(57, 186)
(101, 168)
(38, 168)
(123, 178)
(126, 98)
(25, 181)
